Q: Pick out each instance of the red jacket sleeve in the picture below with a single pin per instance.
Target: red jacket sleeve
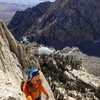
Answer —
(43, 89)
(26, 90)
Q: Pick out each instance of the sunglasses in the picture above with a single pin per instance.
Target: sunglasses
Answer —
(35, 74)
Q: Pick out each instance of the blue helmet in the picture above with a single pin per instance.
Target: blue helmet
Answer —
(31, 73)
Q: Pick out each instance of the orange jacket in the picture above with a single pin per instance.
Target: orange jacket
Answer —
(36, 93)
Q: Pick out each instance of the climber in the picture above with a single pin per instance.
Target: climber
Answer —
(33, 87)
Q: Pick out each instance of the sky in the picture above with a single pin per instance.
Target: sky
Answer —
(25, 1)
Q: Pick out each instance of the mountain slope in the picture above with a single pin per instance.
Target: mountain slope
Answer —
(67, 77)
(14, 58)
(10, 73)
(63, 71)
(66, 22)
(23, 20)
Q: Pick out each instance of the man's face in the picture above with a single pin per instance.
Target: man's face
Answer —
(35, 78)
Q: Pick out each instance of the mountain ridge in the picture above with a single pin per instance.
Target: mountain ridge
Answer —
(66, 22)
(39, 10)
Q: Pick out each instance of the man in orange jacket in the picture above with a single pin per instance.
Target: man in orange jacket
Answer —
(33, 87)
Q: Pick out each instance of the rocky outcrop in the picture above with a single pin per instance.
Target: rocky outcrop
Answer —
(10, 73)
(68, 78)
(65, 22)
(47, 87)
(15, 59)
(90, 63)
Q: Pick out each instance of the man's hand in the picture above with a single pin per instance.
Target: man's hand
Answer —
(29, 98)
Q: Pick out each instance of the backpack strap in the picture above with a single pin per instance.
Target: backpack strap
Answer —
(31, 85)
(22, 83)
